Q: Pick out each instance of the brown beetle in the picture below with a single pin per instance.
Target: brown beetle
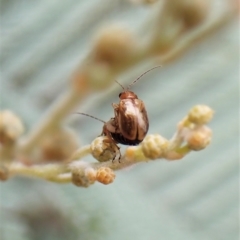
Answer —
(130, 124)
(131, 121)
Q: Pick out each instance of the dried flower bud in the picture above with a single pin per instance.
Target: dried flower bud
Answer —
(113, 45)
(58, 145)
(154, 146)
(200, 114)
(80, 180)
(82, 174)
(11, 127)
(105, 175)
(3, 173)
(102, 149)
(192, 12)
(90, 174)
(199, 138)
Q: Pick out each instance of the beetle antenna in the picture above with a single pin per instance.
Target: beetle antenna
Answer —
(142, 75)
(85, 114)
(120, 84)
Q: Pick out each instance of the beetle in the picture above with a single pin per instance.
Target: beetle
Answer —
(130, 124)
(131, 121)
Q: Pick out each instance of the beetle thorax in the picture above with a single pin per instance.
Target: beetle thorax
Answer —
(128, 95)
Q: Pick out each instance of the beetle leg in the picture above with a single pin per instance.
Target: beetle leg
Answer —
(115, 147)
(114, 144)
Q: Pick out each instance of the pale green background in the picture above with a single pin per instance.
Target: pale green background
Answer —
(42, 42)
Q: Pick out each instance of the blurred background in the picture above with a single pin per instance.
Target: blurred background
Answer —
(42, 44)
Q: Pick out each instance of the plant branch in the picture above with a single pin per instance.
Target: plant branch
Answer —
(68, 101)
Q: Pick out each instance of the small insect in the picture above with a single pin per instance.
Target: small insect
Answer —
(130, 124)
(131, 121)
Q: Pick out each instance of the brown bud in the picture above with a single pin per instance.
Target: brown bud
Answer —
(113, 45)
(105, 175)
(81, 178)
(191, 12)
(58, 145)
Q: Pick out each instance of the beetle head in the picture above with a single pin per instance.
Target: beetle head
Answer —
(127, 95)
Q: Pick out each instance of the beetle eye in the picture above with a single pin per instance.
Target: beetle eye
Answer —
(119, 95)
